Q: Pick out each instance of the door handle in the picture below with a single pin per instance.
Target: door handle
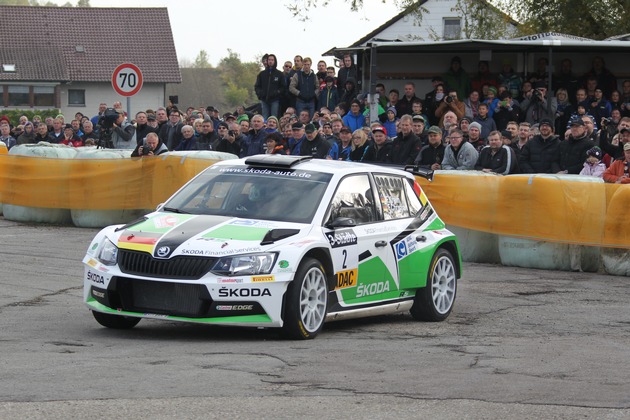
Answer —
(380, 244)
(421, 238)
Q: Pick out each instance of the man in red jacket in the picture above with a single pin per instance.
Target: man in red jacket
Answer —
(617, 173)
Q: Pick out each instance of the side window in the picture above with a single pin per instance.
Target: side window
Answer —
(415, 203)
(353, 199)
(391, 190)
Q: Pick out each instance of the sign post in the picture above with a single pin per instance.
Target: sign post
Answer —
(127, 81)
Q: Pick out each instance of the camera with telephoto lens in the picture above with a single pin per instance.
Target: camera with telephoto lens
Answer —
(448, 99)
(105, 128)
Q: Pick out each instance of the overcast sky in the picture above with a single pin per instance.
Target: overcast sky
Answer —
(254, 27)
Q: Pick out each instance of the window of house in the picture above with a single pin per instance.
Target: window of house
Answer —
(76, 97)
(18, 95)
(452, 28)
(44, 95)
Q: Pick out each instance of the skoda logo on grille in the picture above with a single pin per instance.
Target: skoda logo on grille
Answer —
(163, 251)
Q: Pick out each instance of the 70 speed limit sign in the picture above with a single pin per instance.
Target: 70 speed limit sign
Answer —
(127, 79)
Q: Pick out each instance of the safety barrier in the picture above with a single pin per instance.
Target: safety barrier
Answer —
(563, 222)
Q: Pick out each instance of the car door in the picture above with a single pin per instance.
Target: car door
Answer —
(359, 253)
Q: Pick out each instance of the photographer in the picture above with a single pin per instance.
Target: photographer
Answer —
(537, 106)
(152, 146)
(450, 103)
(229, 141)
(123, 132)
(618, 173)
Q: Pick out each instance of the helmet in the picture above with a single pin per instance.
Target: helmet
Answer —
(257, 193)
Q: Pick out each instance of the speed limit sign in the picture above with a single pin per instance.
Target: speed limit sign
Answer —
(127, 79)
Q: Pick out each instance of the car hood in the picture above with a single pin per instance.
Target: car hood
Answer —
(165, 235)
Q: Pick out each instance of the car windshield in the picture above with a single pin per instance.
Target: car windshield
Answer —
(283, 195)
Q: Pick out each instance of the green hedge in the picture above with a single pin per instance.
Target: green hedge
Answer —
(15, 114)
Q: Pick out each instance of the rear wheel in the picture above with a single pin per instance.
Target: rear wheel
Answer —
(117, 322)
(306, 301)
(435, 301)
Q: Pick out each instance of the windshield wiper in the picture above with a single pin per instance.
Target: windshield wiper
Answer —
(174, 210)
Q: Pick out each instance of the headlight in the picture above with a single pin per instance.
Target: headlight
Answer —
(109, 253)
(244, 265)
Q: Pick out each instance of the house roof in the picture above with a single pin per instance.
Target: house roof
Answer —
(44, 43)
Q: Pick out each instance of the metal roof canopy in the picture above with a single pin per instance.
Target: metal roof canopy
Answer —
(548, 42)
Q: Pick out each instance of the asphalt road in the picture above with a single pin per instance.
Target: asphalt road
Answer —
(520, 343)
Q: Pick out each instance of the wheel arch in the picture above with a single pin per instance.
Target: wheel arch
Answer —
(323, 256)
(451, 246)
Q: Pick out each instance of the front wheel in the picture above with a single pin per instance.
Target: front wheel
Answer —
(435, 301)
(117, 322)
(306, 301)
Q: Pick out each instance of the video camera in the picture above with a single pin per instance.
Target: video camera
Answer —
(105, 128)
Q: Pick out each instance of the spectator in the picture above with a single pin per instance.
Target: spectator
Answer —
(305, 88)
(208, 139)
(346, 71)
(510, 79)
(566, 80)
(522, 139)
(89, 133)
(490, 98)
(345, 143)
(142, 127)
(573, 151)
(269, 87)
(349, 91)
(484, 120)
(418, 124)
(541, 154)
(604, 78)
(229, 141)
(381, 147)
(483, 77)
(512, 127)
(298, 137)
(314, 145)
(42, 133)
(599, 107)
(471, 104)
(392, 120)
(6, 137)
(354, 119)
(474, 136)
(171, 132)
(450, 120)
(617, 173)
(432, 155)
(189, 141)
(450, 103)
(329, 95)
(406, 145)
(615, 148)
(56, 135)
(28, 136)
(254, 143)
(495, 158)
(359, 146)
(458, 154)
(70, 138)
(432, 106)
(593, 165)
(457, 79)
(563, 112)
(152, 146)
(382, 96)
(273, 144)
(506, 110)
(536, 105)
(101, 111)
(404, 104)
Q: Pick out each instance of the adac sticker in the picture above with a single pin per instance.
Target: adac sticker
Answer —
(346, 279)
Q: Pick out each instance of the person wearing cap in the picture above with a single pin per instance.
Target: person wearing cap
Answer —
(272, 124)
(354, 119)
(381, 146)
(495, 158)
(455, 77)
(573, 150)
(345, 143)
(327, 134)
(459, 154)
(618, 172)
(314, 145)
(269, 87)
(70, 138)
(229, 139)
(297, 138)
(614, 147)
(431, 155)
(273, 144)
(474, 136)
(593, 165)
(406, 145)
(541, 154)
(418, 125)
(536, 106)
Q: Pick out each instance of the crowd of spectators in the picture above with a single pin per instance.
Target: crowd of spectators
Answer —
(496, 123)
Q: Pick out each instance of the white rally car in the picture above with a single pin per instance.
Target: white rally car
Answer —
(278, 241)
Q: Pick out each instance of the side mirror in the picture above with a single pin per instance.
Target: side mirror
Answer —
(341, 222)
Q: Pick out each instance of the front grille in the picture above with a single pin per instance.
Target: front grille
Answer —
(157, 297)
(143, 264)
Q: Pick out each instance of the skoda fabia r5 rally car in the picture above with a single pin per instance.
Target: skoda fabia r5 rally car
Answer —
(278, 241)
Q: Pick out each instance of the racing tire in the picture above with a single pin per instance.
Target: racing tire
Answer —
(116, 322)
(306, 302)
(434, 302)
